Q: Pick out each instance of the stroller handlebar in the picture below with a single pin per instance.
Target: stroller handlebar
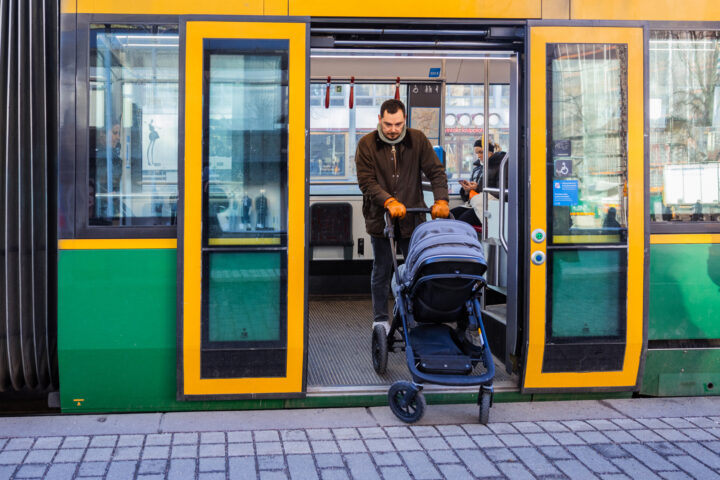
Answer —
(389, 220)
(419, 210)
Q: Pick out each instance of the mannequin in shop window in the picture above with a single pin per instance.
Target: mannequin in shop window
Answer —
(261, 210)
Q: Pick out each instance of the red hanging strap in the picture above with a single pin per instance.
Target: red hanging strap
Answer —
(327, 93)
(352, 92)
(397, 88)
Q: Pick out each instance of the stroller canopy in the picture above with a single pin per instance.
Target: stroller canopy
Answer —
(444, 238)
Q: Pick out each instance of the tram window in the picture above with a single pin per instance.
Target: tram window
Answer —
(684, 127)
(465, 121)
(133, 117)
(587, 156)
(335, 131)
(328, 154)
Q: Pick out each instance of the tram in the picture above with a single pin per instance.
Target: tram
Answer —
(199, 243)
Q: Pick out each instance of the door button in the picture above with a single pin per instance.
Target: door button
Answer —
(538, 258)
(538, 235)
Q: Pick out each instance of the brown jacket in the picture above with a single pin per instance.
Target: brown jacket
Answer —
(375, 173)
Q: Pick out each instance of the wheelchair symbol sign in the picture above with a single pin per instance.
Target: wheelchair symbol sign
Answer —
(563, 168)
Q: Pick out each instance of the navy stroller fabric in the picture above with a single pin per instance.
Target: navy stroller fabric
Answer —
(444, 238)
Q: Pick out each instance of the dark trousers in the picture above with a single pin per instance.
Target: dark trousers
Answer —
(465, 214)
(382, 273)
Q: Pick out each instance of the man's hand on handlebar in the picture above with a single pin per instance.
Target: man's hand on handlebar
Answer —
(395, 208)
(440, 209)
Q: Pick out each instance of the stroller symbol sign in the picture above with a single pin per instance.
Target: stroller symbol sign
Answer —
(563, 168)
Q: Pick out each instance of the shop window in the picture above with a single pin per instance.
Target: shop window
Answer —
(133, 125)
(684, 111)
(465, 121)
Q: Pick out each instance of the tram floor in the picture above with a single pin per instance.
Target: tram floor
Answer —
(339, 352)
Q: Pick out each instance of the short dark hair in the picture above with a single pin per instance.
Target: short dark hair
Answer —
(392, 106)
(479, 144)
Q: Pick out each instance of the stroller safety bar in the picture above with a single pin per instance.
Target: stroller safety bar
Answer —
(441, 276)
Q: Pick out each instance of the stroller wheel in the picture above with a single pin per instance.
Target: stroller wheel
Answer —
(379, 349)
(406, 401)
(485, 400)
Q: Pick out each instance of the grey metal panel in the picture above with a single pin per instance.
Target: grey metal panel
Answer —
(24, 215)
(11, 213)
(513, 216)
(40, 73)
(4, 115)
(66, 123)
(28, 42)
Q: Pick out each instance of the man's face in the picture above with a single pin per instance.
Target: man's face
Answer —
(392, 124)
(114, 140)
(478, 153)
(115, 136)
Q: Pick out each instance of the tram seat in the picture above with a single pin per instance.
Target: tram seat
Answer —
(493, 171)
(331, 226)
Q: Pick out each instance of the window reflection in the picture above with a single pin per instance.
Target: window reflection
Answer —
(684, 126)
(245, 166)
(133, 138)
(587, 148)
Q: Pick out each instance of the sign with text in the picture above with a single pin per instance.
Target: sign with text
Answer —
(565, 192)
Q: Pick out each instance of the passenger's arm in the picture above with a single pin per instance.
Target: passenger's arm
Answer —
(367, 178)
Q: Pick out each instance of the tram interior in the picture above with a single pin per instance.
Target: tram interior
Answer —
(454, 98)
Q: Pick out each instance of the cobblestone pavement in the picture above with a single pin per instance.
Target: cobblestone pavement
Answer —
(620, 446)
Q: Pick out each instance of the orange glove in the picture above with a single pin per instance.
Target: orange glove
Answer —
(396, 209)
(440, 209)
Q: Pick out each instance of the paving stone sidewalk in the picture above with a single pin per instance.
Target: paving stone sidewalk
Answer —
(617, 447)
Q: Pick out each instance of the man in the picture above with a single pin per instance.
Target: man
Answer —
(99, 165)
(389, 162)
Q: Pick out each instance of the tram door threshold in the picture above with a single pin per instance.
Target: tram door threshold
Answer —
(365, 390)
(339, 353)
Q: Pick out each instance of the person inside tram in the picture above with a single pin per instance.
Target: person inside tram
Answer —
(388, 162)
(99, 164)
(470, 188)
(697, 213)
(611, 219)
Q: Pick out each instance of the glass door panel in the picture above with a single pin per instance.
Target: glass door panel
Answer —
(587, 112)
(242, 217)
(246, 141)
(586, 209)
(245, 198)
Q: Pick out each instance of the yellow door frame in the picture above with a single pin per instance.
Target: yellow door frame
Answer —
(534, 379)
(190, 383)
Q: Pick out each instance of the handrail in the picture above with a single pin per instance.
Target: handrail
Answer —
(502, 188)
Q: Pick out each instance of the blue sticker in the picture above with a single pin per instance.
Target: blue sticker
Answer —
(434, 72)
(565, 192)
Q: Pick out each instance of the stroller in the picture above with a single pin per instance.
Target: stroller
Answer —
(438, 286)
